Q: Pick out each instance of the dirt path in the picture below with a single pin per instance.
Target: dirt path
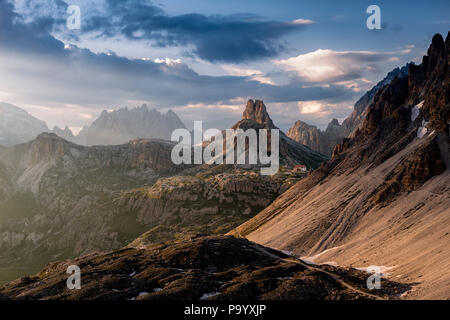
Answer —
(310, 267)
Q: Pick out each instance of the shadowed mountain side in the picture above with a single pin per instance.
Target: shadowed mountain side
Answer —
(384, 198)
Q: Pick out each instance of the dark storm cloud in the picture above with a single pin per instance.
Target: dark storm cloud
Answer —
(232, 38)
(35, 65)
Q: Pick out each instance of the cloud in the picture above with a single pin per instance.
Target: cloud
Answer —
(69, 84)
(302, 21)
(46, 69)
(215, 38)
(325, 65)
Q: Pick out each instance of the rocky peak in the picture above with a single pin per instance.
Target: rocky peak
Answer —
(48, 146)
(434, 54)
(256, 111)
(333, 124)
(427, 82)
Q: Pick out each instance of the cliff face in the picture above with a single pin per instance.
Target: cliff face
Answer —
(383, 199)
(208, 202)
(316, 139)
(325, 141)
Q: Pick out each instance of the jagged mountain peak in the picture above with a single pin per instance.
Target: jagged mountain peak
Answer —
(256, 111)
(122, 125)
(256, 117)
(428, 82)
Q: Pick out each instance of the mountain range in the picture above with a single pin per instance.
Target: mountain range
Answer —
(111, 128)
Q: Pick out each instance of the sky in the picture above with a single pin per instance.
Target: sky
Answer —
(308, 60)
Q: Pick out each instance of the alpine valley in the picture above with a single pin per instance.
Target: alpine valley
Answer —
(375, 192)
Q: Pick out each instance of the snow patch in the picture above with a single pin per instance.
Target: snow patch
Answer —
(383, 270)
(132, 274)
(415, 111)
(209, 295)
(422, 130)
(157, 289)
(310, 260)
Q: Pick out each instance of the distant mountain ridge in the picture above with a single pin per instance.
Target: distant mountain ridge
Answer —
(325, 141)
(123, 125)
(111, 128)
(18, 126)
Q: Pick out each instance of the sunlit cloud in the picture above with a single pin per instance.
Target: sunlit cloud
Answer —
(325, 65)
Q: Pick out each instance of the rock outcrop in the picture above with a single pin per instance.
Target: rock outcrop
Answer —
(292, 153)
(211, 202)
(256, 111)
(316, 139)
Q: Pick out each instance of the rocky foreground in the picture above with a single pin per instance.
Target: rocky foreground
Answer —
(200, 267)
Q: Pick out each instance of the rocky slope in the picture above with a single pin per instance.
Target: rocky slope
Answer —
(18, 126)
(325, 141)
(384, 198)
(196, 268)
(123, 125)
